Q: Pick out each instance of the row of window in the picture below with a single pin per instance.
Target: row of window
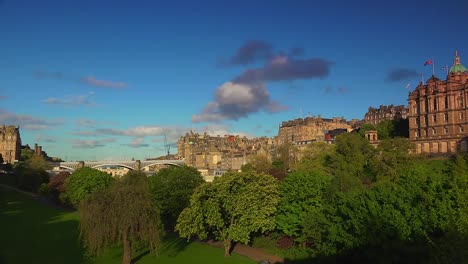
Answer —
(434, 131)
(434, 105)
(434, 118)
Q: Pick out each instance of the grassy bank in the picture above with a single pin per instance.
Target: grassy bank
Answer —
(32, 232)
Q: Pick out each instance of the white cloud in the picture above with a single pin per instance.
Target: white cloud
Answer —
(72, 100)
(79, 143)
(233, 101)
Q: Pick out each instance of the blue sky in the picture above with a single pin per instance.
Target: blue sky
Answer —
(108, 79)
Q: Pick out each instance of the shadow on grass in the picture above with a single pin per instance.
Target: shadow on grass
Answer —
(448, 248)
(173, 246)
(36, 233)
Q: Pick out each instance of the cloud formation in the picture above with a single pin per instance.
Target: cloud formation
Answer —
(84, 122)
(89, 144)
(233, 101)
(283, 68)
(250, 52)
(139, 132)
(103, 83)
(138, 143)
(72, 100)
(87, 80)
(339, 90)
(45, 139)
(27, 122)
(401, 74)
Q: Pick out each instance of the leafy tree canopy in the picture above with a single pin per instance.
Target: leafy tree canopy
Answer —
(85, 181)
(231, 208)
(300, 193)
(171, 189)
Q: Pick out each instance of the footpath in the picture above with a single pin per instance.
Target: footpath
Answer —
(253, 253)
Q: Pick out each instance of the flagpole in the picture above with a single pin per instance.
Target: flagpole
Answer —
(433, 66)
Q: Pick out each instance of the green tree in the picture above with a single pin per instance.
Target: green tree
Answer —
(124, 213)
(31, 173)
(315, 157)
(85, 181)
(301, 193)
(38, 163)
(366, 127)
(393, 158)
(259, 163)
(171, 188)
(231, 208)
(385, 129)
(350, 162)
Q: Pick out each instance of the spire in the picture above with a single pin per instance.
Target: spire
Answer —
(456, 60)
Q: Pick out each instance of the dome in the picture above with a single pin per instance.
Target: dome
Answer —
(458, 68)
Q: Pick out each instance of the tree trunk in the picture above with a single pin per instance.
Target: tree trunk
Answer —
(127, 254)
(227, 247)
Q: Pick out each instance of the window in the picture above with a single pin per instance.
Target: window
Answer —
(446, 102)
(416, 134)
(461, 129)
(434, 118)
(446, 117)
(434, 131)
(435, 104)
(445, 130)
(460, 115)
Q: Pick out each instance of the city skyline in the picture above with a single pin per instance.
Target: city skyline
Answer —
(91, 81)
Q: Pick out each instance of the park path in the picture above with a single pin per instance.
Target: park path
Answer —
(253, 253)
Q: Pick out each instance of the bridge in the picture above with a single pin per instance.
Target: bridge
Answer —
(131, 165)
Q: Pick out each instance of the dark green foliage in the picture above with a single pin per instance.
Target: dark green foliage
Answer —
(85, 181)
(123, 213)
(392, 158)
(350, 162)
(301, 194)
(31, 173)
(366, 127)
(171, 189)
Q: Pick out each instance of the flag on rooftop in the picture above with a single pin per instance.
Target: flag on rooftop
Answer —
(429, 62)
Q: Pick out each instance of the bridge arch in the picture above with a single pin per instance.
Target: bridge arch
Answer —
(112, 164)
(66, 167)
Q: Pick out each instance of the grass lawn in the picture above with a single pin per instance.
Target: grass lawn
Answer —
(31, 232)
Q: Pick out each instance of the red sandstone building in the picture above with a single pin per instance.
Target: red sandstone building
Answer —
(376, 115)
(438, 113)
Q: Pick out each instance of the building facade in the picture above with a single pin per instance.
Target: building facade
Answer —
(303, 131)
(376, 115)
(10, 143)
(438, 118)
(215, 153)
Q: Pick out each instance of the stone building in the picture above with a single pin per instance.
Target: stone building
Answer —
(384, 112)
(10, 143)
(303, 131)
(438, 113)
(214, 153)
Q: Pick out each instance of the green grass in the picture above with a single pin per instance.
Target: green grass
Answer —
(32, 232)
